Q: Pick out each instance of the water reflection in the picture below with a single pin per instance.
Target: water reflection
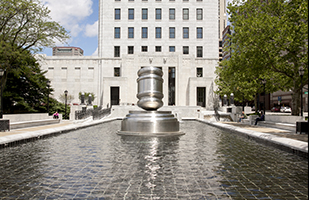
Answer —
(96, 163)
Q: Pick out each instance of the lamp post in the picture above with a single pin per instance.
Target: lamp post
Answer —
(224, 100)
(82, 99)
(65, 103)
(89, 100)
(48, 85)
(264, 83)
(301, 74)
(232, 99)
(1, 106)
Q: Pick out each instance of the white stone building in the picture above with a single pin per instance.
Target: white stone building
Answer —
(179, 36)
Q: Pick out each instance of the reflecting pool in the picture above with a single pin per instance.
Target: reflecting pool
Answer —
(96, 163)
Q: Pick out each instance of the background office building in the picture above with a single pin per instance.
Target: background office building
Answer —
(67, 51)
(179, 36)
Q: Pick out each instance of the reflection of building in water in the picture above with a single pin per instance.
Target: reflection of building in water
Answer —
(180, 37)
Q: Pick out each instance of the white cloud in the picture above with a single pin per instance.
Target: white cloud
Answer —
(95, 53)
(69, 13)
(91, 29)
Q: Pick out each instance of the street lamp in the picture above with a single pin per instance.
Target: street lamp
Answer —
(1, 106)
(82, 99)
(89, 100)
(232, 99)
(224, 99)
(264, 83)
(48, 85)
(65, 103)
(301, 74)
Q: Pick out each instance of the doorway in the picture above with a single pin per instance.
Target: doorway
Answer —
(114, 95)
(201, 96)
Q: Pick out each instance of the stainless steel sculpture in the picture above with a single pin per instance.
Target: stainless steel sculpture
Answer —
(150, 122)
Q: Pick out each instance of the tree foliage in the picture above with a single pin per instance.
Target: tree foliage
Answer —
(269, 41)
(26, 89)
(25, 28)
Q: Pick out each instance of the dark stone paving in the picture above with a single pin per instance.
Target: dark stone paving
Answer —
(95, 163)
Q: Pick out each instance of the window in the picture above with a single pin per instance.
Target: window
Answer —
(199, 72)
(116, 51)
(131, 32)
(158, 49)
(158, 13)
(144, 32)
(199, 51)
(131, 13)
(172, 48)
(199, 13)
(185, 49)
(172, 13)
(199, 32)
(144, 13)
(158, 32)
(185, 32)
(144, 48)
(130, 49)
(172, 32)
(117, 14)
(117, 32)
(116, 71)
(185, 13)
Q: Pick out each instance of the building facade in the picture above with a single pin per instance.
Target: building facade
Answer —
(178, 36)
(67, 51)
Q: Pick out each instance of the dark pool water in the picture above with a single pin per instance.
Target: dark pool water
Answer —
(96, 163)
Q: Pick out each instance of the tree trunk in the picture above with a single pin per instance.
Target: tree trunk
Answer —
(296, 99)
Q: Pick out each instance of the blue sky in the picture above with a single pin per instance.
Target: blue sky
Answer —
(80, 18)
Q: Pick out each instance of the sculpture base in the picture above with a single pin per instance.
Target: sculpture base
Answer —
(150, 123)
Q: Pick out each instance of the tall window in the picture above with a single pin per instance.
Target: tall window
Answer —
(199, 72)
(131, 13)
(158, 13)
(185, 13)
(199, 13)
(116, 51)
(144, 13)
(172, 13)
(172, 32)
(144, 32)
(158, 32)
(199, 32)
(117, 13)
(130, 49)
(185, 32)
(199, 51)
(117, 71)
(185, 49)
(117, 32)
(131, 32)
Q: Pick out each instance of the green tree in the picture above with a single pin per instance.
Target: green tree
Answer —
(269, 41)
(26, 89)
(25, 26)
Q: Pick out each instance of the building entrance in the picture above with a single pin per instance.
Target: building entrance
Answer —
(114, 95)
(201, 96)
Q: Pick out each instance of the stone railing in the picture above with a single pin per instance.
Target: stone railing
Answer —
(96, 113)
